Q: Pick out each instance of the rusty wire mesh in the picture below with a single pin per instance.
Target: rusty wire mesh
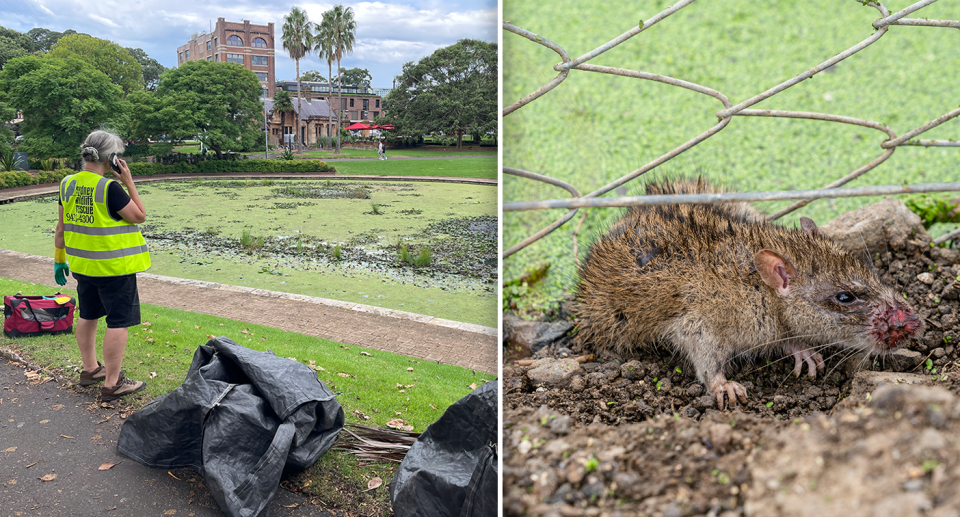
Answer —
(724, 116)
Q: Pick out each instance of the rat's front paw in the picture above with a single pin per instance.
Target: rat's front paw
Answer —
(720, 386)
(804, 355)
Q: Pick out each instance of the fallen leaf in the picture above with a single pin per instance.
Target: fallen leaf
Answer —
(44, 421)
(170, 512)
(108, 465)
(146, 323)
(343, 374)
(294, 505)
(48, 477)
(149, 355)
(433, 407)
(10, 449)
(174, 331)
(307, 483)
(211, 336)
(410, 369)
(95, 437)
(244, 331)
(55, 407)
(112, 508)
(400, 425)
(374, 483)
(473, 386)
(196, 327)
(12, 482)
(171, 475)
(149, 340)
(32, 464)
(153, 374)
(65, 436)
(366, 354)
(402, 391)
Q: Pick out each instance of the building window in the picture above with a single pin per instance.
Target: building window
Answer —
(377, 104)
(235, 41)
(209, 58)
(215, 42)
(259, 43)
(351, 103)
(186, 54)
(208, 46)
(262, 76)
(180, 56)
(343, 104)
(216, 58)
(235, 58)
(260, 60)
(376, 114)
(366, 104)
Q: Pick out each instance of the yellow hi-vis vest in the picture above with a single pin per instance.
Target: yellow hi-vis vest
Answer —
(96, 244)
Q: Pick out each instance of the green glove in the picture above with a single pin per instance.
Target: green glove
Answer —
(61, 270)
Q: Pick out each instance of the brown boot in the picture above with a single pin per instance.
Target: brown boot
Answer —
(89, 378)
(124, 386)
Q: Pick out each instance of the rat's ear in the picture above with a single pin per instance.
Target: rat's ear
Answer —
(808, 226)
(776, 271)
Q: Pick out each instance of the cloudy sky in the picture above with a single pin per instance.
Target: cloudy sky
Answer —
(389, 33)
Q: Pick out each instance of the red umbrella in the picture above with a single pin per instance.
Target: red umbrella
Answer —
(385, 126)
(358, 125)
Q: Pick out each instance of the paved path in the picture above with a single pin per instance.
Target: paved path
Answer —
(425, 337)
(49, 429)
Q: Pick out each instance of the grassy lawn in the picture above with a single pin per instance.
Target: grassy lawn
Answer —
(458, 167)
(160, 351)
(297, 228)
(594, 128)
(411, 152)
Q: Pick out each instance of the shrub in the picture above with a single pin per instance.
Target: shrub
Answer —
(12, 179)
(423, 259)
(211, 166)
(336, 252)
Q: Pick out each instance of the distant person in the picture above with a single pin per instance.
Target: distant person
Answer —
(97, 231)
(382, 150)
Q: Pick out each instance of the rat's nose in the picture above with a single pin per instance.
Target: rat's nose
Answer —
(896, 325)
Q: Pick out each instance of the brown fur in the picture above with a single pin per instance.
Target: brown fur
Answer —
(685, 275)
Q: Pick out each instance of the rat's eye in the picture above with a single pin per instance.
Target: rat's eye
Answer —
(845, 298)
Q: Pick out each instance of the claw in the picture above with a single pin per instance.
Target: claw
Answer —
(734, 391)
(805, 355)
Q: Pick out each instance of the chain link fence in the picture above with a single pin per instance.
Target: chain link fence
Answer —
(724, 116)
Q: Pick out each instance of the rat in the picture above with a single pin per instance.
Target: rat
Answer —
(718, 282)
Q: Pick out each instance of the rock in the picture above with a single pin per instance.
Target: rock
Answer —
(632, 370)
(524, 338)
(926, 278)
(865, 383)
(909, 398)
(553, 372)
(903, 360)
(873, 226)
(560, 425)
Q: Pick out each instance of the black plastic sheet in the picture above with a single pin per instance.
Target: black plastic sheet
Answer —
(240, 418)
(451, 470)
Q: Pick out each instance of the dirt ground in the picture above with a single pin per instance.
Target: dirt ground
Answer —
(640, 435)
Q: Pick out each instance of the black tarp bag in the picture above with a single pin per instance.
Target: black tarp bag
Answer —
(451, 470)
(240, 418)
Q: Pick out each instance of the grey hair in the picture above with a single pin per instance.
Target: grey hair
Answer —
(99, 145)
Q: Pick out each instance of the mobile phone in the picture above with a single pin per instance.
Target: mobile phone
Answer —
(114, 164)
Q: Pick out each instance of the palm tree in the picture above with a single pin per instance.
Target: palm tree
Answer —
(323, 45)
(297, 41)
(282, 103)
(345, 31)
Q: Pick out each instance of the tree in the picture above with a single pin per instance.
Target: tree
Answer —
(324, 43)
(13, 44)
(359, 77)
(45, 39)
(108, 57)
(219, 103)
(63, 100)
(454, 89)
(152, 69)
(344, 37)
(6, 136)
(297, 41)
(313, 75)
(283, 103)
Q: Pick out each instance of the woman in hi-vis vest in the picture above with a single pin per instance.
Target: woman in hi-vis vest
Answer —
(98, 234)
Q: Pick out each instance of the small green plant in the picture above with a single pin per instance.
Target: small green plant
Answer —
(404, 253)
(286, 155)
(934, 209)
(267, 183)
(336, 252)
(375, 209)
(592, 464)
(246, 238)
(8, 163)
(211, 231)
(423, 259)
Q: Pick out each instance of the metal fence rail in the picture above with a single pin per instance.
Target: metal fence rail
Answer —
(724, 116)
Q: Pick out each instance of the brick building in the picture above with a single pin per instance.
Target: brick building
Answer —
(315, 118)
(357, 105)
(250, 45)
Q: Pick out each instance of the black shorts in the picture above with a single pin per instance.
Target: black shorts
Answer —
(115, 297)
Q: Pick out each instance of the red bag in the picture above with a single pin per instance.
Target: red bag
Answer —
(38, 315)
